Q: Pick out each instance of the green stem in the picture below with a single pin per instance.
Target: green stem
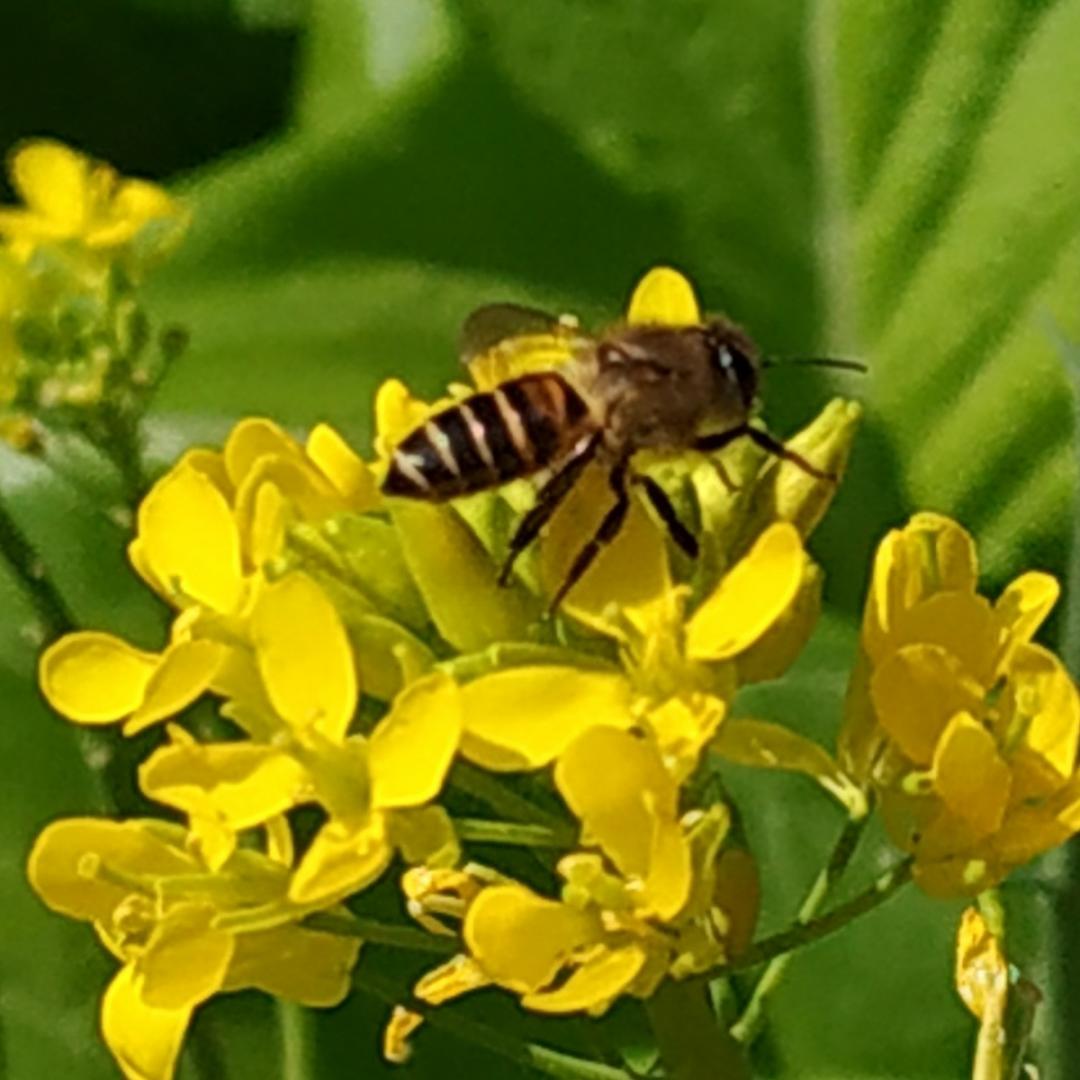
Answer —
(380, 933)
(489, 789)
(779, 945)
(297, 1050)
(542, 1059)
(749, 1025)
(508, 832)
(693, 1042)
(48, 604)
(121, 442)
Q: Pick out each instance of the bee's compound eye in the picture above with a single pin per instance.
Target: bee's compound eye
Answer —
(739, 368)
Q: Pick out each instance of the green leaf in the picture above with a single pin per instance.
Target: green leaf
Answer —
(955, 246)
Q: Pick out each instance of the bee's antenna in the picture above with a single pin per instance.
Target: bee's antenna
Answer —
(816, 361)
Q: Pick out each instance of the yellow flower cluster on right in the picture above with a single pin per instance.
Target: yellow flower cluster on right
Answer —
(966, 729)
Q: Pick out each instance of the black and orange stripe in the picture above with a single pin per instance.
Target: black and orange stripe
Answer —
(512, 431)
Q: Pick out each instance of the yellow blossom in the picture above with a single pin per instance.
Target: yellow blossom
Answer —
(182, 931)
(967, 730)
(645, 903)
(70, 198)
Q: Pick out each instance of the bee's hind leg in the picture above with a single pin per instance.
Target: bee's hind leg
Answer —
(548, 499)
(778, 449)
(609, 528)
(678, 532)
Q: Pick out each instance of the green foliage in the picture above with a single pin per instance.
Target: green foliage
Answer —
(899, 181)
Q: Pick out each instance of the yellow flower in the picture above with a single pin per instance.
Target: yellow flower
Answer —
(298, 705)
(181, 931)
(70, 198)
(657, 897)
(677, 674)
(967, 729)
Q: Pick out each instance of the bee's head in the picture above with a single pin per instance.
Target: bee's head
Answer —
(735, 359)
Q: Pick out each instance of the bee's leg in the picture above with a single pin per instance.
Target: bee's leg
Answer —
(608, 530)
(548, 499)
(662, 505)
(778, 449)
(766, 442)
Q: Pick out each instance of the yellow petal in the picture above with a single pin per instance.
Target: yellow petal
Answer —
(145, 1041)
(915, 693)
(341, 861)
(458, 578)
(411, 748)
(269, 520)
(522, 940)
(751, 598)
(185, 960)
(1024, 605)
(962, 623)
(631, 572)
(1043, 708)
(425, 835)
(969, 774)
(982, 974)
(238, 784)
(670, 875)
(779, 647)
(189, 540)
(186, 669)
(304, 656)
(663, 296)
(397, 414)
(52, 180)
(616, 784)
(65, 864)
(594, 985)
(295, 963)
(949, 562)
(765, 745)
(254, 438)
(350, 475)
(523, 718)
(95, 678)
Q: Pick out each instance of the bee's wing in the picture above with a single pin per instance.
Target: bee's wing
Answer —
(501, 341)
(493, 324)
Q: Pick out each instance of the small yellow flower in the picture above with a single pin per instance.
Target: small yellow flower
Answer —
(70, 198)
(677, 676)
(967, 729)
(182, 931)
(657, 896)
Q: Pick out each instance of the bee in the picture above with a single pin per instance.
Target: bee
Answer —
(656, 387)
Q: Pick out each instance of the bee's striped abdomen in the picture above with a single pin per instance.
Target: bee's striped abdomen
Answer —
(514, 430)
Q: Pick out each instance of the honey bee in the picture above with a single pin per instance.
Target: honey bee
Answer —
(667, 388)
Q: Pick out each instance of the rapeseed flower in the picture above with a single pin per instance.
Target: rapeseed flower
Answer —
(182, 931)
(656, 895)
(966, 729)
(357, 646)
(69, 199)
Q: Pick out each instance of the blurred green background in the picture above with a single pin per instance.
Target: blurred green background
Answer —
(893, 179)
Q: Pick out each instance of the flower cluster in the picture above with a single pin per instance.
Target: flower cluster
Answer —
(368, 667)
(73, 336)
(967, 730)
